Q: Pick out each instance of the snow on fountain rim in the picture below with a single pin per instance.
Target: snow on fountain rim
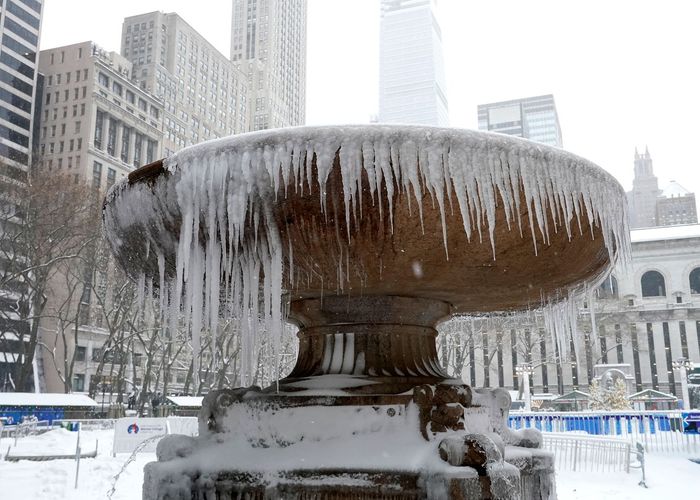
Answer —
(234, 180)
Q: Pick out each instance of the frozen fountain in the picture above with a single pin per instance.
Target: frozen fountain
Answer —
(366, 238)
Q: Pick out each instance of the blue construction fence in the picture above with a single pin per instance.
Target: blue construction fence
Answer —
(602, 424)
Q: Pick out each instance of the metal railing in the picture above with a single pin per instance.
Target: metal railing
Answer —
(658, 431)
(86, 424)
(592, 454)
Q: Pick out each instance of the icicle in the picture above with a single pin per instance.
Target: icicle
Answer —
(224, 192)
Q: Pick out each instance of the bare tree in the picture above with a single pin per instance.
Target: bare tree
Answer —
(48, 222)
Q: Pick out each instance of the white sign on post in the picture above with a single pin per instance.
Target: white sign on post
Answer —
(130, 432)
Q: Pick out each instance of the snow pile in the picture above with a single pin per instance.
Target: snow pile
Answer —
(225, 190)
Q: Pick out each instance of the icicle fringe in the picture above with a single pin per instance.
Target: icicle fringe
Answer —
(226, 188)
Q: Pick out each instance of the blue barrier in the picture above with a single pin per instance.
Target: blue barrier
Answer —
(598, 423)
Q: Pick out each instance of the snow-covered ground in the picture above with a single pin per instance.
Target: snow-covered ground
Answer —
(54, 480)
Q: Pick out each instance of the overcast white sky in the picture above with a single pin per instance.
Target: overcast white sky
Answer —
(623, 73)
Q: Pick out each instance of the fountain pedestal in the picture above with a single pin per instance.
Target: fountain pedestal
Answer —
(366, 413)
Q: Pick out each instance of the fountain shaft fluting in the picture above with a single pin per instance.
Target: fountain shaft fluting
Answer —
(386, 339)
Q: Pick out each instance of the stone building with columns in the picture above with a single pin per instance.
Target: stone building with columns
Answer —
(641, 320)
(97, 124)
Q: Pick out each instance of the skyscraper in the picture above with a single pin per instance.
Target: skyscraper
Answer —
(268, 43)
(411, 72)
(533, 118)
(650, 206)
(645, 190)
(20, 27)
(204, 94)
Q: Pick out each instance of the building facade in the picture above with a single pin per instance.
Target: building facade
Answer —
(676, 205)
(20, 28)
(204, 95)
(650, 206)
(533, 118)
(412, 85)
(97, 125)
(268, 43)
(646, 316)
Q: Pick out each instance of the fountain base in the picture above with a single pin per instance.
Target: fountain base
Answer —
(438, 441)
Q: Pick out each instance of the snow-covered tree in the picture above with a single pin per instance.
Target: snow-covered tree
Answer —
(609, 399)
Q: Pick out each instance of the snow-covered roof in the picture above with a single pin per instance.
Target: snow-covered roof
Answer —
(44, 399)
(574, 395)
(674, 190)
(545, 396)
(665, 233)
(652, 395)
(186, 400)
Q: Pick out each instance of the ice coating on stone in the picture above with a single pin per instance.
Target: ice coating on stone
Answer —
(226, 189)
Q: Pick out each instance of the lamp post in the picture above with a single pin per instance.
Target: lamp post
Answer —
(682, 365)
(524, 370)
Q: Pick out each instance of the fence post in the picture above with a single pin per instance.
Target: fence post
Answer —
(77, 458)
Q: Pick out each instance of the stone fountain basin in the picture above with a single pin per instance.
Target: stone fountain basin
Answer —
(410, 253)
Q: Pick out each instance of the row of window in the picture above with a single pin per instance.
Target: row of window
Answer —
(653, 285)
(130, 97)
(69, 145)
(59, 77)
(78, 93)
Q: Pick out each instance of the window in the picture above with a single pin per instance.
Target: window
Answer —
(694, 279)
(111, 136)
(126, 136)
(103, 79)
(137, 149)
(117, 89)
(130, 96)
(79, 382)
(96, 354)
(96, 174)
(80, 352)
(99, 122)
(111, 177)
(653, 284)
